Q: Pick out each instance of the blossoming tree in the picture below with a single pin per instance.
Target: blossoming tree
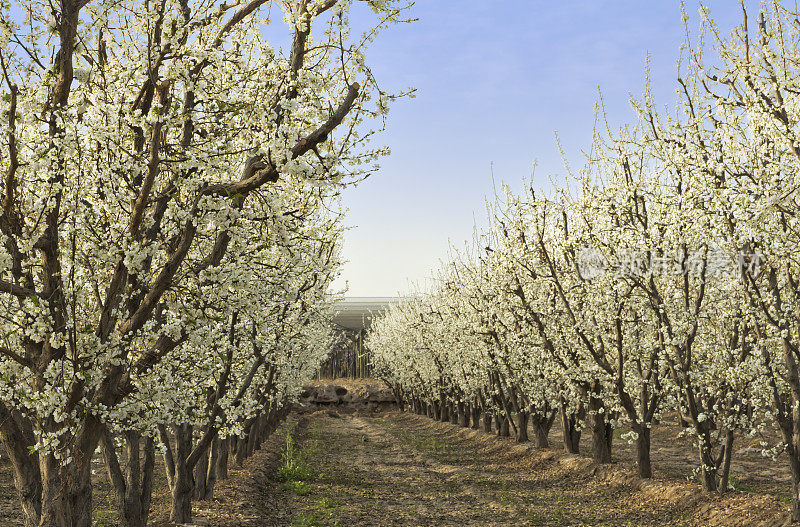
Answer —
(146, 147)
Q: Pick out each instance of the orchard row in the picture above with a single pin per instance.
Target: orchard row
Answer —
(169, 228)
(663, 277)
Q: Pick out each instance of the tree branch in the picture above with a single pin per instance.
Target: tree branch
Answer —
(258, 172)
(16, 290)
(153, 163)
(237, 17)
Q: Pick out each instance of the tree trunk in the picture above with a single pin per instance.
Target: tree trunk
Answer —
(444, 414)
(463, 414)
(794, 461)
(221, 466)
(487, 415)
(502, 426)
(211, 469)
(541, 427)
(569, 425)
(201, 477)
(263, 430)
(241, 443)
(681, 419)
(601, 430)
(252, 438)
(601, 448)
(66, 492)
(715, 471)
(453, 413)
(476, 416)
(790, 429)
(708, 467)
(182, 480)
(522, 427)
(643, 452)
(16, 434)
(726, 462)
(254, 441)
(67, 488)
(55, 513)
(133, 489)
(232, 446)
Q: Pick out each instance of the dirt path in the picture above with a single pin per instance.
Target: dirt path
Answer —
(402, 469)
(393, 468)
(373, 473)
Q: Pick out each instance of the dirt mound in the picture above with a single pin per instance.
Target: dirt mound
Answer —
(348, 395)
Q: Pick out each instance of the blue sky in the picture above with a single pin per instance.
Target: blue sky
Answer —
(495, 81)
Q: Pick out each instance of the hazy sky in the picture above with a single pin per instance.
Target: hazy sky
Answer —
(495, 81)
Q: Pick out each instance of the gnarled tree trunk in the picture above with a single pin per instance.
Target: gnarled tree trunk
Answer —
(570, 430)
(201, 477)
(16, 433)
(643, 464)
(133, 488)
(221, 465)
(463, 414)
(602, 431)
(476, 416)
(183, 477)
(444, 411)
(502, 425)
(542, 423)
(522, 427)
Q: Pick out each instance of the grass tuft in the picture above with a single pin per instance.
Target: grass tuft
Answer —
(301, 488)
(294, 463)
(306, 520)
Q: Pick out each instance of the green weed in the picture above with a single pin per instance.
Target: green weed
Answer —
(301, 488)
(294, 466)
(736, 485)
(306, 520)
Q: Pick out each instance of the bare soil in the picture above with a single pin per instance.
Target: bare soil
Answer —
(393, 468)
(403, 469)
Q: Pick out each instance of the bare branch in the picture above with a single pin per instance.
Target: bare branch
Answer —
(153, 165)
(258, 171)
(16, 290)
(237, 17)
(13, 162)
(16, 357)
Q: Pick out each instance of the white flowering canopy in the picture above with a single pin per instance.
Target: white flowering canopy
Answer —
(168, 209)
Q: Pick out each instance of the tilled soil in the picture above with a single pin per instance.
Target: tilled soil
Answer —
(403, 469)
(394, 468)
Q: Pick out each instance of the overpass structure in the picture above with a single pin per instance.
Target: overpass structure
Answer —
(356, 313)
(353, 316)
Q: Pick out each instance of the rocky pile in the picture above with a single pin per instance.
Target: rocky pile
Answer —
(347, 394)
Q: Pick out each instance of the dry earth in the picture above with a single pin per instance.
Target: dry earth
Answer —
(402, 469)
(374, 468)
